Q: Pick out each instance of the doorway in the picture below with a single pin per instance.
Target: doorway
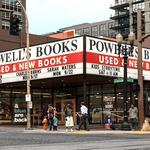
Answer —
(60, 104)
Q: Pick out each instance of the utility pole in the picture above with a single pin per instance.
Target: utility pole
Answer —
(125, 50)
(140, 69)
(28, 95)
(130, 15)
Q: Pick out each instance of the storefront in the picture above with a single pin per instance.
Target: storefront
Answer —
(69, 71)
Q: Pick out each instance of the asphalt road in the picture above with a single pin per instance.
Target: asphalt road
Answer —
(20, 140)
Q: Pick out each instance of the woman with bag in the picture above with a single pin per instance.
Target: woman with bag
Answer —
(69, 118)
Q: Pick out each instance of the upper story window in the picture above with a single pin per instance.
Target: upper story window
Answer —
(102, 29)
(138, 6)
(5, 25)
(79, 31)
(86, 31)
(95, 30)
(110, 31)
(12, 6)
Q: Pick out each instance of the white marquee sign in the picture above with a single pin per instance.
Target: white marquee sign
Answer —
(49, 60)
(102, 59)
(65, 58)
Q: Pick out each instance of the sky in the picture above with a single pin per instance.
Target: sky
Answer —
(46, 16)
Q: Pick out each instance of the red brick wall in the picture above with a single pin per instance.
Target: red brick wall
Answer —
(9, 42)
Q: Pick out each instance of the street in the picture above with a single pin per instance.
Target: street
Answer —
(18, 139)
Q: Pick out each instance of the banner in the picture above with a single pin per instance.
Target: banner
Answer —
(103, 59)
(56, 59)
(65, 58)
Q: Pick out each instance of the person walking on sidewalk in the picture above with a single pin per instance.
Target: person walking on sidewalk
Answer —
(84, 117)
(50, 112)
(69, 118)
(133, 111)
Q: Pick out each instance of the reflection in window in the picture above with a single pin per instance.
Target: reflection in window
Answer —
(5, 106)
(86, 31)
(41, 100)
(95, 31)
(108, 88)
(96, 109)
(79, 31)
(102, 29)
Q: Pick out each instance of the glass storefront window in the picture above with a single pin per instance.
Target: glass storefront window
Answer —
(5, 105)
(120, 101)
(108, 88)
(96, 110)
(109, 105)
(95, 90)
(119, 107)
(19, 106)
(41, 100)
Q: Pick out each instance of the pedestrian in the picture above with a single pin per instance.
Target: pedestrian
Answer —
(55, 120)
(69, 118)
(133, 112)
(83, 117)
(45, 123)
(50, 112)
(55, 123)
(146, 125)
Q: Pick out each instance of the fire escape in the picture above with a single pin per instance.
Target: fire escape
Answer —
(122, 16)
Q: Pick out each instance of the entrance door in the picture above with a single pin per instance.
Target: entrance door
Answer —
(60, 106)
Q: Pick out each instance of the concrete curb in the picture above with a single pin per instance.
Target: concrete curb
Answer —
(62, 131)
(87, 132)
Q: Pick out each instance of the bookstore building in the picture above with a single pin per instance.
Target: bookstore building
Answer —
(83, 68)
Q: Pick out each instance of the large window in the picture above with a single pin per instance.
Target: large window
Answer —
(95, 31)
(79, 31)
(110, 31)
(102, 29)
(5, 105)
(96, 109)
(86, 31)
(107, 98)
(41, 100)
(12, 6)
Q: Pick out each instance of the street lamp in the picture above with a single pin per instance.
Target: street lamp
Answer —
(28, 95)
(125, 51)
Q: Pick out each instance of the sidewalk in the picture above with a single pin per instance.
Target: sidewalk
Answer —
(61, 130)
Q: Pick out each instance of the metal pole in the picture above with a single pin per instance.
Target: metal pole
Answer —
(125, 84)
(125, 125)
(130, 15)
(28, 69)
(84, 89)
(140, 71)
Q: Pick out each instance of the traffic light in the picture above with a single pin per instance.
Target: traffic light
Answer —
(14, 25)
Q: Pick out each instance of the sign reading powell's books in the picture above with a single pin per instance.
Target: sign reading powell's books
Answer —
(65, 58)
(102, 59)
(61, 58)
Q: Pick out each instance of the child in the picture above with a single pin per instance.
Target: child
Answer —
(45, 123)
(146, 125)
(55, 123)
